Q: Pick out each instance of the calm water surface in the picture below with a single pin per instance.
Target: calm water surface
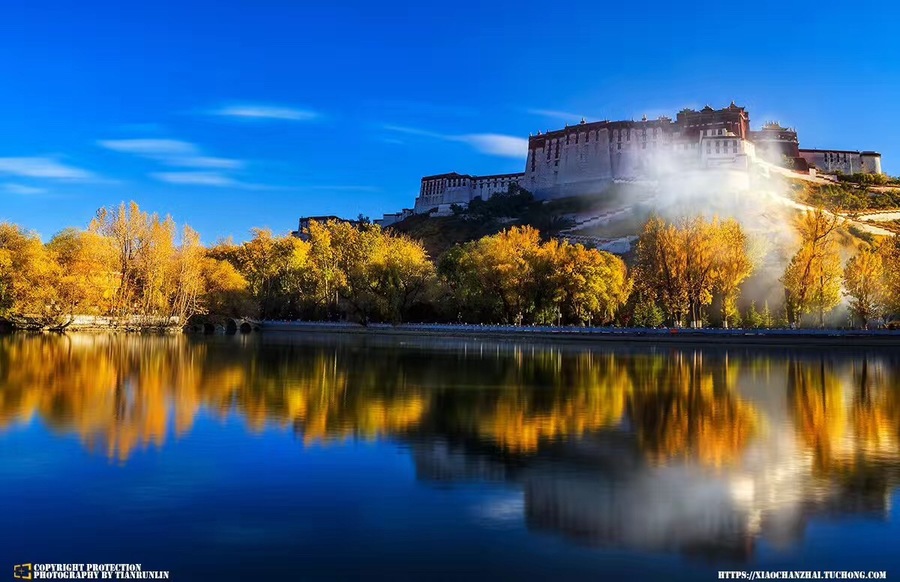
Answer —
(306, 457)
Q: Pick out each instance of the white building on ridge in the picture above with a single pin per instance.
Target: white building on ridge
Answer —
(586, 158)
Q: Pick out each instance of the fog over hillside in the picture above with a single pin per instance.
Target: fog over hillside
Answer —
(763, 200)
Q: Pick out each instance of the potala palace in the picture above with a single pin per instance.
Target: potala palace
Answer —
(586, 158)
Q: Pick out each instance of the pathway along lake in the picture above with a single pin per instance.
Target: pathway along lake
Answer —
(288, 456)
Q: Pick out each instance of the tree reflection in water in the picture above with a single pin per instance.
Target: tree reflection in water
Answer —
(687, 449)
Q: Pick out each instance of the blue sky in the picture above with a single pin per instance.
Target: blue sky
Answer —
(229, 115)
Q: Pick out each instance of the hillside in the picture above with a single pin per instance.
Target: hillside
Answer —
(620, 212)
(518, 207)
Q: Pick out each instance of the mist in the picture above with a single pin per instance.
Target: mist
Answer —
(760, 198)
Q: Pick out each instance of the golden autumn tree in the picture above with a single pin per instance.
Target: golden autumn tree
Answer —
(154, 261)
(812, 279)
(350, 247)
(400, 272)
(865, 283)
(662, 268)
(274, 268)
(159, 278)
(28, 278)
(187, 296)
(506, 263)
(683, 265)
(327, 275)
(733, 264)
(126, 227)
(593, 285)
(513, 277)
(227, 292)
(497, 273)
(369, 273)
(889, 250)
(697, 243)
(87, 266)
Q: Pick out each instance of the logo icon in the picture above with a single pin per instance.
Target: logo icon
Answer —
(22, 572)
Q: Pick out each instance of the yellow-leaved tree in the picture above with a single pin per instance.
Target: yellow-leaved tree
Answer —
(593, 285)
(682, 266)
(733, 265)
(158, 278)
(400, 272)
(515, 278)
(88, 279)
(865, 284)
(28, 278)
(812, 279)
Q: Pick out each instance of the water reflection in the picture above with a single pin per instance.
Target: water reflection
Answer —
(697, 451)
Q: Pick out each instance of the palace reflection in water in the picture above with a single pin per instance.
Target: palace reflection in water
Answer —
(685, 451)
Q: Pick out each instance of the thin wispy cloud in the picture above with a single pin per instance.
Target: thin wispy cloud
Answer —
(150, 147)
(555, 114)
(506, 146)
(43, 167)
(171, 152)
(207, 162)
(263, 112)
(210, 179)
(415, 131)
(196, 178)
(21, 189)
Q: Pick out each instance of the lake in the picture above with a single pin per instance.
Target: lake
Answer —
(324, 456)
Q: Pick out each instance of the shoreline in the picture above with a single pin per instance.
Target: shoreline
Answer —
(787, 338)
(707, 336)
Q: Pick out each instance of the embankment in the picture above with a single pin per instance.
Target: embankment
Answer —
(773, 337)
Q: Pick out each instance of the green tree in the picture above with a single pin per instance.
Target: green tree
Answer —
(754, 318)
(648, 314)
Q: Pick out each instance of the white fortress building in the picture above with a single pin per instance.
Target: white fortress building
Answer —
(847, 162)
(586, 158)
